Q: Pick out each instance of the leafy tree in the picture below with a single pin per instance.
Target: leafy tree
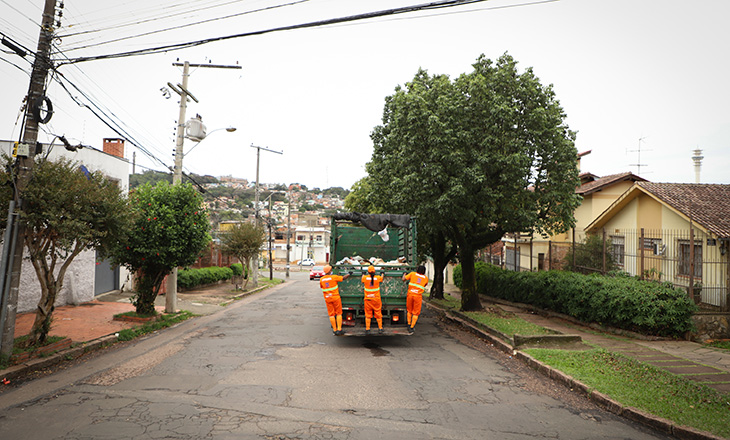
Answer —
(170, 230)
(476, 157)
(243, 242)
(67, 210)
(336, 191)
(361, 198)
(148, 176)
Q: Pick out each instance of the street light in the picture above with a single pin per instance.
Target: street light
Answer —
(199, 134)
(197, 142)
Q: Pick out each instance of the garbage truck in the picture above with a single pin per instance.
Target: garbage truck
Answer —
(388, 241)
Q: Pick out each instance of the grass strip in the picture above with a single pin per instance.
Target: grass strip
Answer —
(496, 318)
(643, 386)
(163, 322)
(723, 344)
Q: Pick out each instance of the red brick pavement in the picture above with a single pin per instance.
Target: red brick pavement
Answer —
(81, 323)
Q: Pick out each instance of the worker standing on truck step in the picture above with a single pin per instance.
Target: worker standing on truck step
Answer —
(373, 304)
(328, 283)
(416, 286)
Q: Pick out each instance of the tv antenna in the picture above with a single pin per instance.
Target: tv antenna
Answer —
(638, 163)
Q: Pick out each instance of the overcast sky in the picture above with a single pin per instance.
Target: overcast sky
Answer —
(648, 75)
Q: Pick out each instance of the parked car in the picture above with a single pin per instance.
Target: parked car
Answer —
(306, 262)
(316, 272)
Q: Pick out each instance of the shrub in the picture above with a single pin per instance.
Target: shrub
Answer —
(188, 278)
(619, 301)
(237, 269)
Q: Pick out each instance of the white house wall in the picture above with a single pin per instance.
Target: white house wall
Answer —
(78, 283)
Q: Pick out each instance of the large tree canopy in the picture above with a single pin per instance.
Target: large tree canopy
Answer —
(170, 230)
(476, 157)
(66, 209)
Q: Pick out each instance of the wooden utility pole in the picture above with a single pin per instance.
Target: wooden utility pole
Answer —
(37, 110)
(182, 90)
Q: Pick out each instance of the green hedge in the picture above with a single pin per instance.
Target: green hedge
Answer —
(188, 278)
(623, 302)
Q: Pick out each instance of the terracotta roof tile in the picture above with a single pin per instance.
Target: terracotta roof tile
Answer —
(604, 181)
(706, 204)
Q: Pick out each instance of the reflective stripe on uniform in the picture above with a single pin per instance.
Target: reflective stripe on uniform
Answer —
(372, 290)
(420, 287)
(330, 289)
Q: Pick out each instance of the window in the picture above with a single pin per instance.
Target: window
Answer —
(617, 249)
(300, 238)
(684, 252)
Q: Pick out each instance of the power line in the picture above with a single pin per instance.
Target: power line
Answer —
(183, 26)
(187, 11)
(109, 119)
(368, 15)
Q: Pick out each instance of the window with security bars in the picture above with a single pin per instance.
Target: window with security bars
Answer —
(617, 249)
(684, 260)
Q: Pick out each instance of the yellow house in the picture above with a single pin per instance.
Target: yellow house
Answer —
(541, 253)
(652, 227)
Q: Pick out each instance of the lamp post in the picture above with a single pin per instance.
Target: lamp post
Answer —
(171, 297)
(182, 90)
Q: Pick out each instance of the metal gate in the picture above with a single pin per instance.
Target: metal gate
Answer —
(105, 278)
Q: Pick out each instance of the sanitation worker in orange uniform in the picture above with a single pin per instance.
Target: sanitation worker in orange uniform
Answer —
(416, 286)
(373, 304)
(331, 292)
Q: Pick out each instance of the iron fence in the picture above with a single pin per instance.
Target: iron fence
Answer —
(687, 258)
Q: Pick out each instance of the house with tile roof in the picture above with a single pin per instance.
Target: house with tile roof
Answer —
(535, 252)
(674, 232)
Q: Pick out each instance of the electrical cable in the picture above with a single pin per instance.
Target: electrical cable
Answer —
(157, 31)
(116, 128)
(106, 99)
(368, 15)
(170, 15)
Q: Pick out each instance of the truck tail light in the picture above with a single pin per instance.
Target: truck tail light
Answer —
(348, 317)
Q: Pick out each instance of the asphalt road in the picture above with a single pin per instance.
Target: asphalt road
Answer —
(268, 367)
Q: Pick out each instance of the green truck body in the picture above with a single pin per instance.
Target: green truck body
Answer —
(351, 238)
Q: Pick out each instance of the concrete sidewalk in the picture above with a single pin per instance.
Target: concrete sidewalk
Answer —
(91, 325)
(691, 360)
(95, 319)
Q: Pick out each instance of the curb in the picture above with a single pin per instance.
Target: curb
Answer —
(656, 423)
(13, 372)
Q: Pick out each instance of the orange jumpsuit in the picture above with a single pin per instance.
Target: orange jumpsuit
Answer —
(373, 304)
(416, 287)
(331, 292)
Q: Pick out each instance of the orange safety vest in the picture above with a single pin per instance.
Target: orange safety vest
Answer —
(372, 287)
(416, 283)
(328, 283)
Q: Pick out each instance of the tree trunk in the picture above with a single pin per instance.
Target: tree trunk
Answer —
(469, 295)
(50, 285)
(440, 260)
(148, 286)
(43, 317)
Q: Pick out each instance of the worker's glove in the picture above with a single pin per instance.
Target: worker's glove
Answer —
(350, 273)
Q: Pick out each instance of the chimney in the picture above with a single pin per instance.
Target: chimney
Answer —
(697, 158)
(115, 147)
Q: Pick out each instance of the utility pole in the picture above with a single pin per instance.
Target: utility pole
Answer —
(288, 228)
(256, 207)
(182, 90)
(13, 257)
